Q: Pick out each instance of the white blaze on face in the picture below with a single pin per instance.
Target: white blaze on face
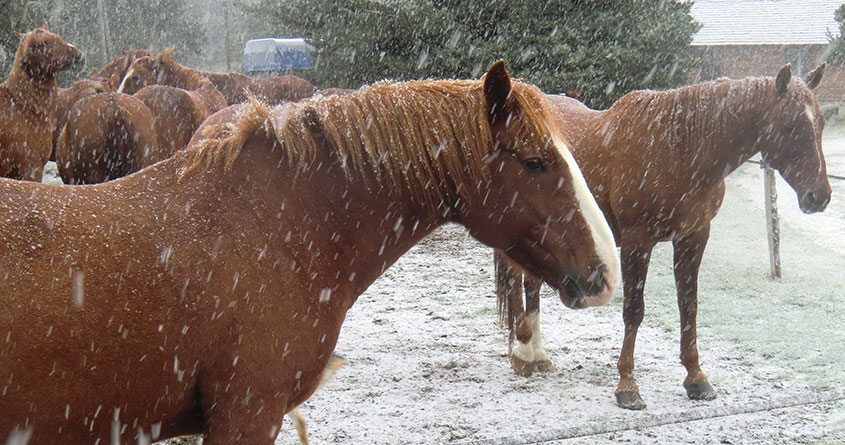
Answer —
(123, 82)
(602, 235)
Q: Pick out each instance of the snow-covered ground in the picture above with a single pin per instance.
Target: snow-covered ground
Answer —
(427, 362)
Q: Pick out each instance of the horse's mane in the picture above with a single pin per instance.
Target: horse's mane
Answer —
(191, 79)
(689, 116)
(418, 134)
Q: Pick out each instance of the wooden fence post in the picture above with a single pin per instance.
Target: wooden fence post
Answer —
(772, 221)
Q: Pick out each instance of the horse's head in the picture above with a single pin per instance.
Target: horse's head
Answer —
(791, 141)
(537, 207)
(42, 54)
(141, 73)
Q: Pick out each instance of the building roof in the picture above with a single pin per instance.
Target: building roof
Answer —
(765, 22)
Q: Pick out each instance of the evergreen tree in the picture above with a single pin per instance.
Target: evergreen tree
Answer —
(17, 17)
(600, 49)
(837, 45)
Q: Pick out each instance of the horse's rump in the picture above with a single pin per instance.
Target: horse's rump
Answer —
(177, 113)
(107, 136)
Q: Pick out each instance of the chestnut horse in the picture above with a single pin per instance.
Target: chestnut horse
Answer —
(28, 102)
(205, 293)
(656, 163)
(115, 70)
(179, 98)
(67, 97)
(233, 86)
(107, 136)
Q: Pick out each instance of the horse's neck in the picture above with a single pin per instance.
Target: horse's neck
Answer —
(715, 133)
(186, 78)
(359, 227)
(39, 95)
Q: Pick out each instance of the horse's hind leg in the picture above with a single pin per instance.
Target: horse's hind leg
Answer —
(688, 251)
(509, 294)
(532, 287)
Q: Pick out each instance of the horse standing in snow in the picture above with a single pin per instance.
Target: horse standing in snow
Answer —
(656, 163)
(28, 102)
(205, 293)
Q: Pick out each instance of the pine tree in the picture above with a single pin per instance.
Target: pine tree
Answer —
(599, 49)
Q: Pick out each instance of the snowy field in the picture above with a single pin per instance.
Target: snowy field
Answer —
(427, 362)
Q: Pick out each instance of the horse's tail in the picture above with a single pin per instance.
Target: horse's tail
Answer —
(504, 286)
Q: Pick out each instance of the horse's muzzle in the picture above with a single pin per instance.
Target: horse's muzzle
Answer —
(577, 290)
(814, 201)
(77, 60)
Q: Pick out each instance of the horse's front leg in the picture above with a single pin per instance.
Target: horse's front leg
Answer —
(636, 254)
(688, 251)
(509, 293)
(532, 285)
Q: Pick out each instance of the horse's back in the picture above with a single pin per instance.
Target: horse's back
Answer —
(231, 85)
(175, 116)
(282, 89)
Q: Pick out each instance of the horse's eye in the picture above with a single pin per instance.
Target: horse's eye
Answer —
(535, 165)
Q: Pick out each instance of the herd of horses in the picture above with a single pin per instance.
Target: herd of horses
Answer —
(199, 284)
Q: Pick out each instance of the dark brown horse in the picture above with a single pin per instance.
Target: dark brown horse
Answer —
(205, 293)
(656, 163)
(67, 97)
(28, 103)
(107, 136)
(180, 99)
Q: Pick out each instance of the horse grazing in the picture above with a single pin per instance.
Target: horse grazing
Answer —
(180, 99)
(67, 97)
(28, 102)
(107, 136)
(114, 71)
(656, 163)
(205, 293)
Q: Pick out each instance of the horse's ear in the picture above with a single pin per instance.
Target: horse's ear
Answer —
(20, 35)
(497, 91)
(782, 79)
(815, 77)
(44, 26)
(94, 73)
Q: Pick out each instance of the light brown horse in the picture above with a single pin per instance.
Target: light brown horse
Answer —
(180, 99)
(656, 163)
(67, 97)
(205, 293)
(107, 136)
(28, 102)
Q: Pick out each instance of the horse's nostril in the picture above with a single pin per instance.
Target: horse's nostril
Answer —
(596, 278)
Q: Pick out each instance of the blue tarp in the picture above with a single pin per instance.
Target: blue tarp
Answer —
(277, 55)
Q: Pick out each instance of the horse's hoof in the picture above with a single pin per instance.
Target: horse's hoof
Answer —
(522, 367)
(700, 391)
(545, 366)
(630, 400)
